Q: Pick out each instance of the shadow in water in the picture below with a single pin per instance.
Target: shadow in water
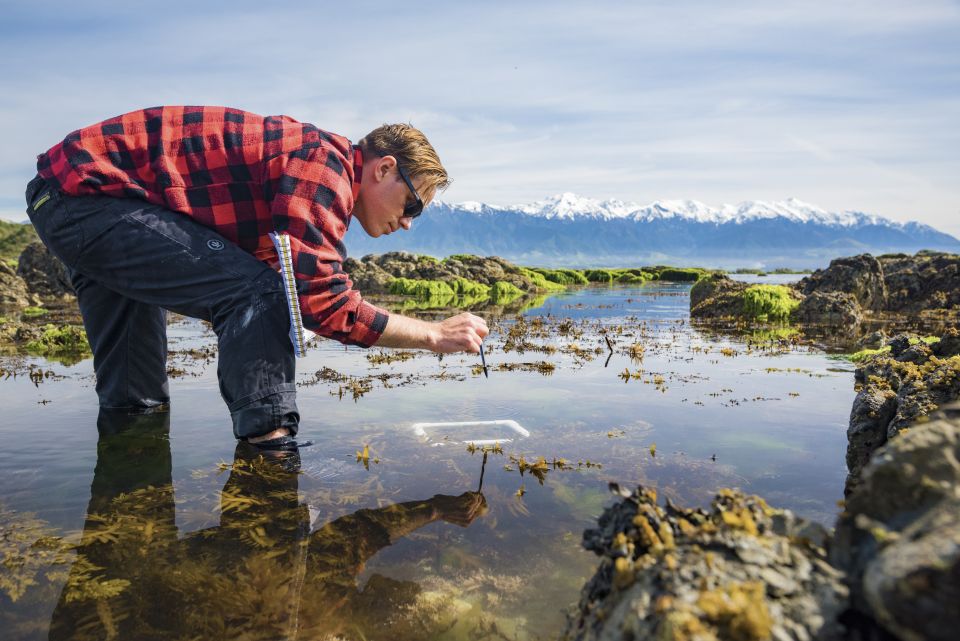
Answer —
(260, 573)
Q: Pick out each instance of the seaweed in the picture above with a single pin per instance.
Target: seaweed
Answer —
(67, 339)
(768, 302)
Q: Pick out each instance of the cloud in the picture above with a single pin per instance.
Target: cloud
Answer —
(850, 105)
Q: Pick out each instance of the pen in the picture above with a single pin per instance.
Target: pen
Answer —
(484, 361)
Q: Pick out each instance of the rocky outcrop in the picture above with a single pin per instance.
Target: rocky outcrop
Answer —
(746, 571)
(897, 388)
(898, 538)
(373, 273)
(927, 280)
(860, 276)
(717, 296)
(831, 308)
(741, 571)
(892, 283)
(44, 273)
(843, 293)
(14, 294)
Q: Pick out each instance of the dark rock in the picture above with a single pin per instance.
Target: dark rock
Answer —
(874, 340)
(14, 294)
(898, 538)
(949, 344)
(873, 409)
(833, 308)
(899, 344)
(928, 280)
(739, 571)
(860, 276)
(897, 389)
(43, 272)
(717, 296)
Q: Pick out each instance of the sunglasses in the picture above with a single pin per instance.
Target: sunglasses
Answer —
(414, 209)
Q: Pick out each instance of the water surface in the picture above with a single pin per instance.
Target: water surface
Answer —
(162, 528)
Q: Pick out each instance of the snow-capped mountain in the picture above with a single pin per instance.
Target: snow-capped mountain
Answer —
(567, 229)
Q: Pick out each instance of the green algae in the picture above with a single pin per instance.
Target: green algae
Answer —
(467, 288)
(540, 282)
(681, 274)
(768, 302)
(68, 339)
(863, 354)
(421, 289)
(34, 311)
(433, 294)
(563, 276)
(504, 292)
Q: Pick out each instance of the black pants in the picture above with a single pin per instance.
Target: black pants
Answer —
(130, 261)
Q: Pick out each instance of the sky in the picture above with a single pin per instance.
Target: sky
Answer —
(847, 105)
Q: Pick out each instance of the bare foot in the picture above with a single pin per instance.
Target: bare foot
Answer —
(277, 433)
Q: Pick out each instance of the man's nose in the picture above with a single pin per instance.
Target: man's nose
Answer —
(406, 223)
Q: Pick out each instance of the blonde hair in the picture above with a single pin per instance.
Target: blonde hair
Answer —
(412, 150)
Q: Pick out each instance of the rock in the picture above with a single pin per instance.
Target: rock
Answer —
(897, 389)
(927, 280)
(372, 273)
(898, 538)
(717, 297)
(861, 276)
(898, 344)
(875, 340)
(14, 294)
(833, 308)
(949, 344)
(670, 573)
(873, 409)
(43, 272)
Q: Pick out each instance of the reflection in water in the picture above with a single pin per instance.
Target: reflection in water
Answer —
(260, 574)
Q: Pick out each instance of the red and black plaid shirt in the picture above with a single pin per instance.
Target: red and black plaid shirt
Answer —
(245, 176)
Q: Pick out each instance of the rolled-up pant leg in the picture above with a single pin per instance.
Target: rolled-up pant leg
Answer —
(158, 258)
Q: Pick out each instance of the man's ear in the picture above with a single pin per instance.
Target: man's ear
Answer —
(384, 166)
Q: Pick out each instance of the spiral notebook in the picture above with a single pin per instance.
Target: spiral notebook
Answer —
(298, 334)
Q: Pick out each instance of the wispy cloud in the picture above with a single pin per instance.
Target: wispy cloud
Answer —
(850, 105)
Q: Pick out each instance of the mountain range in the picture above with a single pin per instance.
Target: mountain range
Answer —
(569, 230)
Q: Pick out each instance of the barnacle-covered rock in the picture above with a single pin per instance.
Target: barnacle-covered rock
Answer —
(740, 571)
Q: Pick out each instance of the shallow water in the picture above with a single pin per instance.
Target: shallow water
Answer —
(160, 529)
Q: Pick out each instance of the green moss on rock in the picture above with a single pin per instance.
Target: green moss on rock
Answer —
(503, 292)
(563, 276)
(421, 289)
(768, 302)
(60, 340)
(681, 274)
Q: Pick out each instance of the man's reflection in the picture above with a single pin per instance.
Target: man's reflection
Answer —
(259, 574)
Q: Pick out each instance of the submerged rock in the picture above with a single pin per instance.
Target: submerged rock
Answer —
(43, 272)
(741, 571)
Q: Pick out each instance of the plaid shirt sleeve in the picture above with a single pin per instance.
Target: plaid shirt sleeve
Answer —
(311, 195)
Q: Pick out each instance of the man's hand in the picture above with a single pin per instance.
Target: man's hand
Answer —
(461, 333)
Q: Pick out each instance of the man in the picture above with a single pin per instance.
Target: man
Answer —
(179, 208)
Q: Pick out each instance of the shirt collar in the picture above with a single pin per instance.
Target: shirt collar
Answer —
(357, 171)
